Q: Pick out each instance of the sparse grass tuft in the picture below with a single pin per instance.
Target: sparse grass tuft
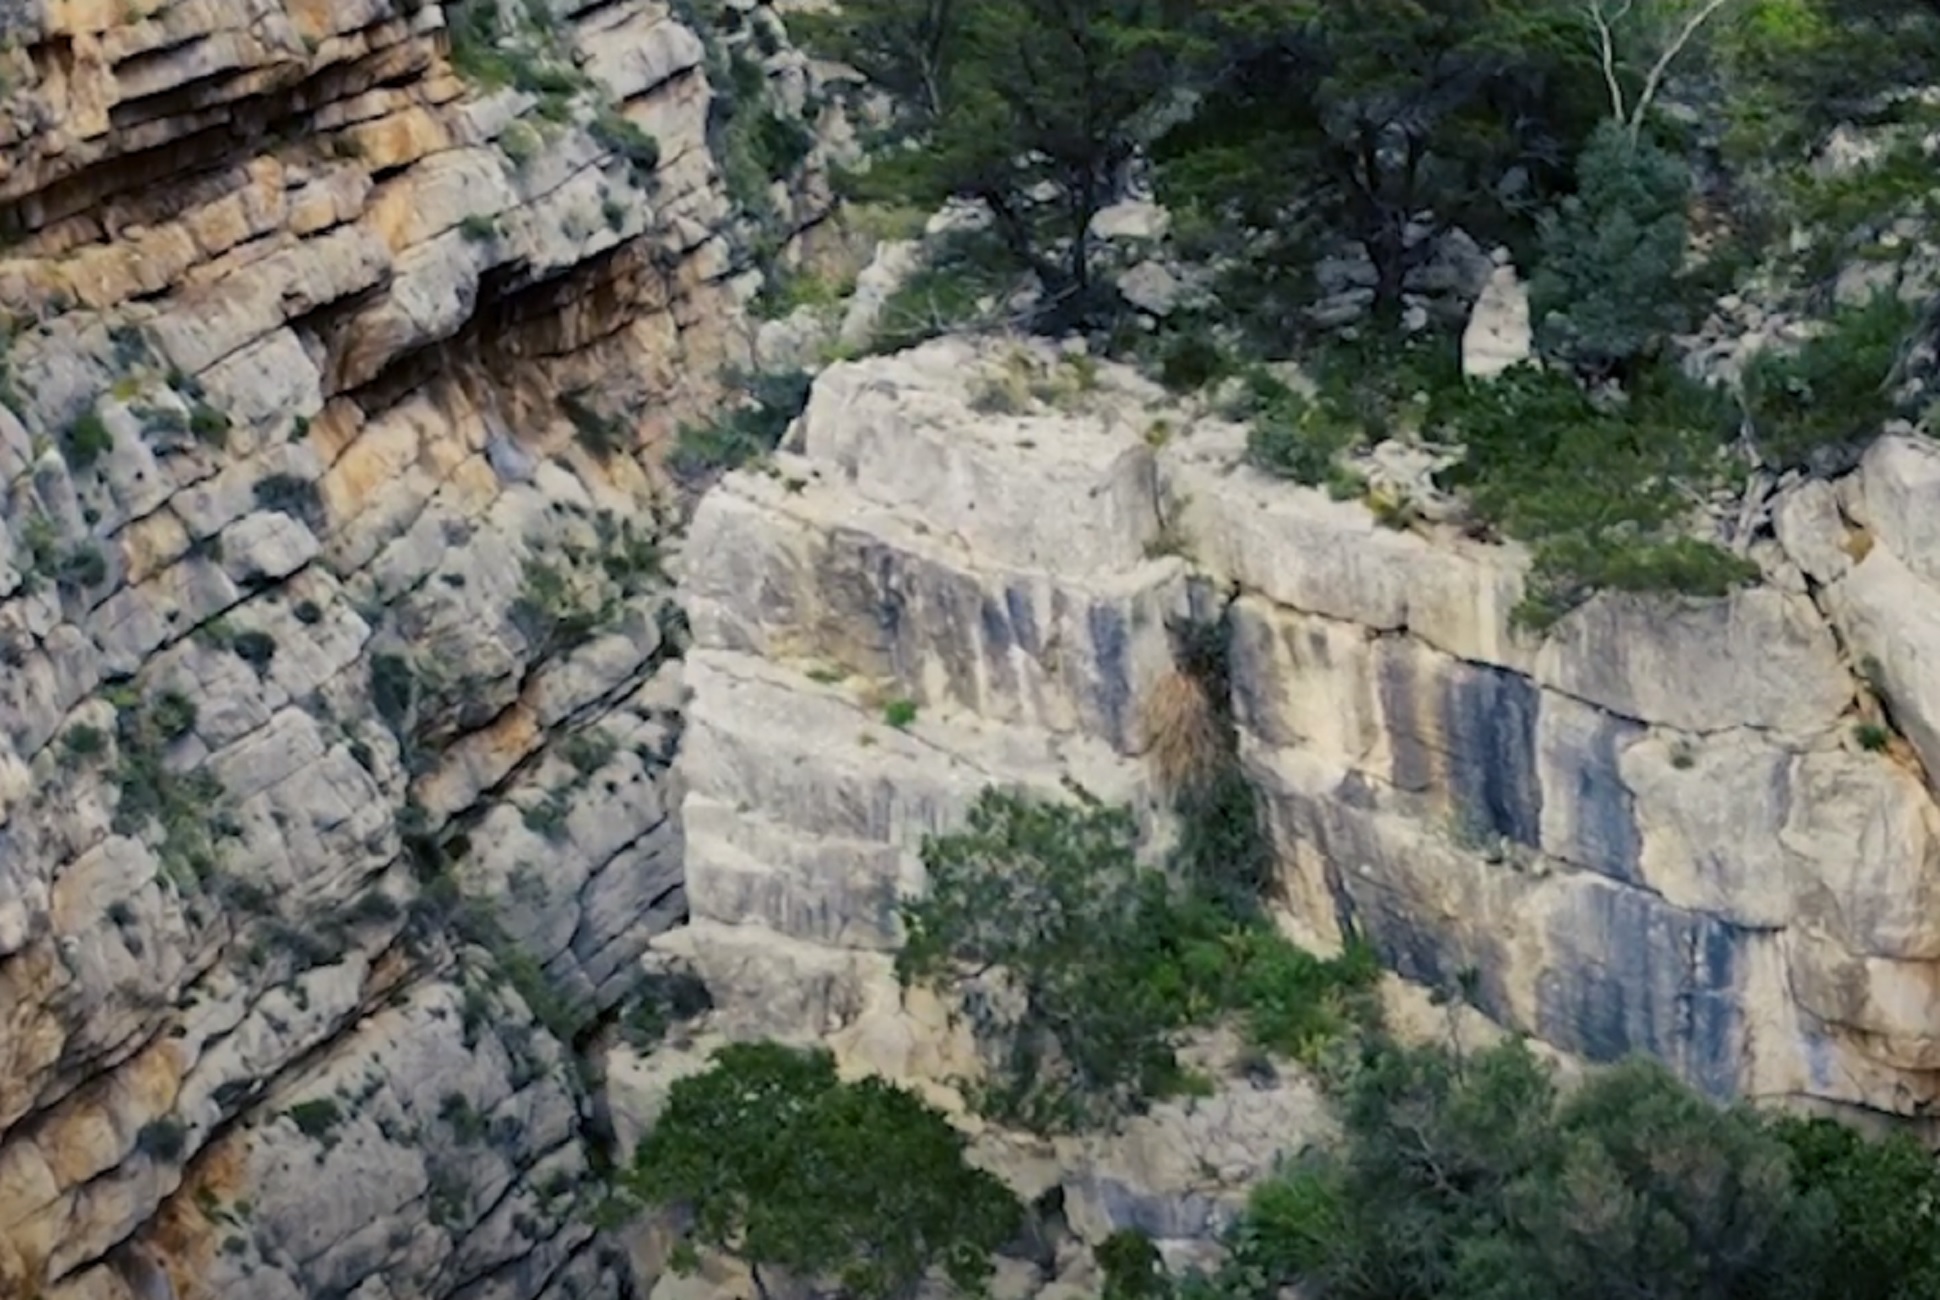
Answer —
(1178, 731)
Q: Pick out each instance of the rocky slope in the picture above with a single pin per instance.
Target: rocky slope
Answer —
(341, 680)
(341, 683)
(1699, 830)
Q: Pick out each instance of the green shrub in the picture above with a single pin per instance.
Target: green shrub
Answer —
(1572, 567)
(163, 1139)
(657, 1003)
(186, 806)
(81, 742)
(1605, 294)
(746, 429)
(1835, 391)
(620, 136)
(1600, 494)
(547, 817)
(316, 1118)
(1872, 737)
(860, 1184)
(473, 32)
(1294, 437)
(784, 291)
(520, 143)
(1132, 1267)
(173, 715)
(297, 497)
(1476, 1179)
(552, 610)
(1191, 359)
(209, 425)
(1881, 1198)
(82, 566)
(254, 648)
(88, 440)
(479, 228)
(1111, 961)
(900, 714)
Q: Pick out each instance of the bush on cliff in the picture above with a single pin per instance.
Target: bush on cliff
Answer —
(1607, 294)
(1032, 107)
(1079, 967)
(1477, 1179)
(782, 1164)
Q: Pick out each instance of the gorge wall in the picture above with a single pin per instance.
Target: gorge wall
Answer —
(340, 678)
(1700, 830)
(342, 682)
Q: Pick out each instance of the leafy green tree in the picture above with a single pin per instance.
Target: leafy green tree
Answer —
(783, 1164)
(1079, 967)
(1606, 294)
(1883, 1198)
(1052, 896)
(1032, 107)
(1474, 1180)
(1816, 404)
(1358, 118)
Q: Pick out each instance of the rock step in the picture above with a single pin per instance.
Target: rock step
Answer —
(800, 567)
(1048, 471)
(805, 813)
(742, 866)
(818, 759)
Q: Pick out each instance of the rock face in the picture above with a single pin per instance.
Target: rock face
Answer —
(340, 678)
(1663, 828)
(910, 604)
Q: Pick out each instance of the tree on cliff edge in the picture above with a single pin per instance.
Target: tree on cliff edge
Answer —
(782, 1164)
(1032, 107)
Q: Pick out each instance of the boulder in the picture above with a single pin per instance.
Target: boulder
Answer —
(1498, 336)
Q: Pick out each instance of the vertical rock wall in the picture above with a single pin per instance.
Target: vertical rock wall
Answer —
(338, 672)
(1701, 830)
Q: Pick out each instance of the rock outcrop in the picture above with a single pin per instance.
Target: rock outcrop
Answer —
(340, 676)
(1701, 830)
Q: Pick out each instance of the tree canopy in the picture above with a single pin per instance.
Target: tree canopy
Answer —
(1477, 1179)
(789, 1168)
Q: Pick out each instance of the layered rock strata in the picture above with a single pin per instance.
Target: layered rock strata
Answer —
(1701, 830)
(340, 678)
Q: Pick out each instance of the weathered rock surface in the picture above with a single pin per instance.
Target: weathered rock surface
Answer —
(339, 681)
(1653, 830)
(1000, 579)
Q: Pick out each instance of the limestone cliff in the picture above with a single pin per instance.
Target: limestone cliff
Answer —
(1698, 829)
(340, 678)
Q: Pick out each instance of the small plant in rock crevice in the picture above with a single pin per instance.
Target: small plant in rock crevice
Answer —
(479, 228)
(747, 427)
(87, 440)
(184, 809)
(163, 1139)
(626, 140)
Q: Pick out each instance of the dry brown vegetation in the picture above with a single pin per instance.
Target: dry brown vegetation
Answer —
(1178, 732)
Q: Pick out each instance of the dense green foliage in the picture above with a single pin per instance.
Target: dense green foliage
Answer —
(1477, 1179)
(1103, 961)
(1355, 119)
(1833, 391)
(1638, 159)
(1031, 106)
(781, 1163)
(1607, 292)
(746, 428)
